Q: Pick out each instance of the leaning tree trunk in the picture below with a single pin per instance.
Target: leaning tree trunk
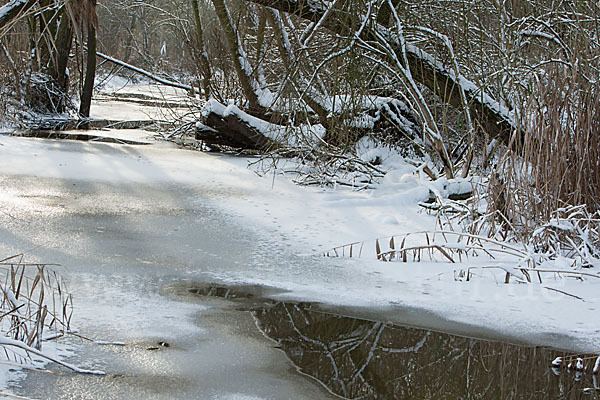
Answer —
(288, 59)
(250, 87)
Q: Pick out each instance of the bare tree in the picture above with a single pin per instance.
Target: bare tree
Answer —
(89, 20)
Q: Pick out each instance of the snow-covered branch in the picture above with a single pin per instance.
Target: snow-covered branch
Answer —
(493, 117)
(147, 74)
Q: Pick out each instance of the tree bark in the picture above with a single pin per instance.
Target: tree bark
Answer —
(90, 74)
(231, 131)
(240, 61)
(488, 114)
(203, 57)
(60, 58)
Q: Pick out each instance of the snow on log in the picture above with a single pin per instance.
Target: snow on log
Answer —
(11, 10)
(232, 127)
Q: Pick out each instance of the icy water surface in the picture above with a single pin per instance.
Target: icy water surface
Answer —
(120, 246)
(363, 359)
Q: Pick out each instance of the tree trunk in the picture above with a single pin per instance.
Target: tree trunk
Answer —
(60, 58)
(90, 73)
(203, 57)
(240, 61)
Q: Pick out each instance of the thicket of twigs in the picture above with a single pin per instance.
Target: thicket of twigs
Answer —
(536, 59)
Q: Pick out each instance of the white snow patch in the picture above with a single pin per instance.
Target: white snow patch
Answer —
(313, 220)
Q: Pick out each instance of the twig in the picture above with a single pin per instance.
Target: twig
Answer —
(13, 396)
(558, 271)
(4, 341)
(565, 293)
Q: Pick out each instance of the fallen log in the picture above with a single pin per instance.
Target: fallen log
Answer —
(147, 74)
(232, 127)
(229, 126)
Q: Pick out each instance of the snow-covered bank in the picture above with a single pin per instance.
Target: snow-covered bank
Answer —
(308, 221)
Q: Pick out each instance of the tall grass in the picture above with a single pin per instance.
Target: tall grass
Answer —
(563, 144)
(558, 165)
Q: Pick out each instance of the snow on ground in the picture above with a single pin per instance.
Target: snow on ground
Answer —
(116, 85)
(310, 220)
(116, 97)
(124, 111)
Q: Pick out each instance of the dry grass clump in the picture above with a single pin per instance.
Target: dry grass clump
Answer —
(434, 246)
(34, 308)
(33, 301)
(547, 196)
(559, 165)
(563, 145)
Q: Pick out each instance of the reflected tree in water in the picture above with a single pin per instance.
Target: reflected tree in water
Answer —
(362, 359)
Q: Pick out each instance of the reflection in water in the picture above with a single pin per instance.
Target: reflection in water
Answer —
(362, 359)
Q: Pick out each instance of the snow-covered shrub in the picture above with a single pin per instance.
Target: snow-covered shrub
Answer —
(571, 237)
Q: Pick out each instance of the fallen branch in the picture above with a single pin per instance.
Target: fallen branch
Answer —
(13, 396)
(29, 264)
(13, 9)
(4, 341)
(565, 293)
(507, 277)
(558, 271)
(148, 74)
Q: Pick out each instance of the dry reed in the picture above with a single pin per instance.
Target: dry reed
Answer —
(33, 301)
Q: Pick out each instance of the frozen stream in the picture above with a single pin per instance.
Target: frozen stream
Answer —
(130, 223)
(120, 244)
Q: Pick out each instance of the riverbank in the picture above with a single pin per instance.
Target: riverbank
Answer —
(304, 222)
